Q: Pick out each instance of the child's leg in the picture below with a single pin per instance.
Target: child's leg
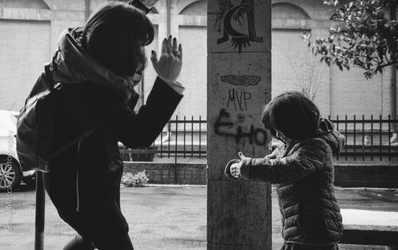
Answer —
(292, 246)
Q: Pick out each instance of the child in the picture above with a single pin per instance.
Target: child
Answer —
(301, 167)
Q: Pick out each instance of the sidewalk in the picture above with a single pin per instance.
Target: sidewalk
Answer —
(169, 217)
(365, 217)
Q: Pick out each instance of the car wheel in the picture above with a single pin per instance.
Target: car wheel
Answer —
(9, 174)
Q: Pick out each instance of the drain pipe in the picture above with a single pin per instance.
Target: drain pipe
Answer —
(87, 9)
(168, 17)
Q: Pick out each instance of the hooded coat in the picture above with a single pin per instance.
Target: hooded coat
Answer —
(84, 181)
(304, 174)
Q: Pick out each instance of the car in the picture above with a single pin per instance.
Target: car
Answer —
(11, 172)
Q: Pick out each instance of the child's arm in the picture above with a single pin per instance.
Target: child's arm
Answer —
(305, 160)
(273, 154)
(276, 151)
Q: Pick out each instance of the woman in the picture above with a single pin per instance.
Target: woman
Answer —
(97, 67)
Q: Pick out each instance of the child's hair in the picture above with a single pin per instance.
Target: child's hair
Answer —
(115, 34)
(291, 113)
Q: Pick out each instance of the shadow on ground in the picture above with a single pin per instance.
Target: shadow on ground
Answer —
(160, 217)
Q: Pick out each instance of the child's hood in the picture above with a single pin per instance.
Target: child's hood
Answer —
(333, 137)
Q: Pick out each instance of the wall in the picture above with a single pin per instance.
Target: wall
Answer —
(22, 55)
(346, 175)
(40, 23)
(187, 22)
(29, 32)
(169, 173)
(340, 92)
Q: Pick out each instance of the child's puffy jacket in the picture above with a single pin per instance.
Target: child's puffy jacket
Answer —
(303, 173)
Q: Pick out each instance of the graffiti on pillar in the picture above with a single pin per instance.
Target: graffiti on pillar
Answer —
(225, 126)
(227, 14)
(241, 80)
(237, 97)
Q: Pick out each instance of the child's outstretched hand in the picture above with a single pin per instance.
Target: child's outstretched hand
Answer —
(232, 170)
(170, 62)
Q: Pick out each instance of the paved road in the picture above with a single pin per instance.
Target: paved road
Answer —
(160, 217)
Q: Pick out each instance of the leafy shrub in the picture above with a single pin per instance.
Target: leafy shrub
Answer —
(134, 180)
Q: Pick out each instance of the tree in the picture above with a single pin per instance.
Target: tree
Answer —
(364, 36)
(308, 74)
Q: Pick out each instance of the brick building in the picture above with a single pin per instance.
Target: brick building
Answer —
(29, 30)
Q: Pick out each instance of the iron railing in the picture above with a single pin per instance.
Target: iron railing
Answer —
(368, 139)
(181, 139)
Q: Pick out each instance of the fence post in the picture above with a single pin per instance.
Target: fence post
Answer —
(393, 79)
(40, 211)
(238, 86)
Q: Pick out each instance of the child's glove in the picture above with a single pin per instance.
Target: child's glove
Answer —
(232, 170)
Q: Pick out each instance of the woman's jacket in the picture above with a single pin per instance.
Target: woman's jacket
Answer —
(90, 97)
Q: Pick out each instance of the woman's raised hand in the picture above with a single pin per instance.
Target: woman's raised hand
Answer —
(169, 64)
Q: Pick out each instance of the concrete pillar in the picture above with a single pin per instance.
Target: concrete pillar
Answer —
(239, 85)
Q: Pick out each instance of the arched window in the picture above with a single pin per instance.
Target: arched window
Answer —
(30, 4)
(195, 8)
(288, 11)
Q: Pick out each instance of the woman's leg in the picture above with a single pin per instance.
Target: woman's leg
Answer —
(78, 243)
(123, 243)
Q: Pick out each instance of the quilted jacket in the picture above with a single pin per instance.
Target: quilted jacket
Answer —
(303, 173)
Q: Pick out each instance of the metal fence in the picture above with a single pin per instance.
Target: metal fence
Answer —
(368, 139)
(182, 139)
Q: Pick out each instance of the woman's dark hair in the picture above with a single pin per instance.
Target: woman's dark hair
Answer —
(291, 113)
(115, 34)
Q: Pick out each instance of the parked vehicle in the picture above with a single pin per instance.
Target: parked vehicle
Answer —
(10, 167)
